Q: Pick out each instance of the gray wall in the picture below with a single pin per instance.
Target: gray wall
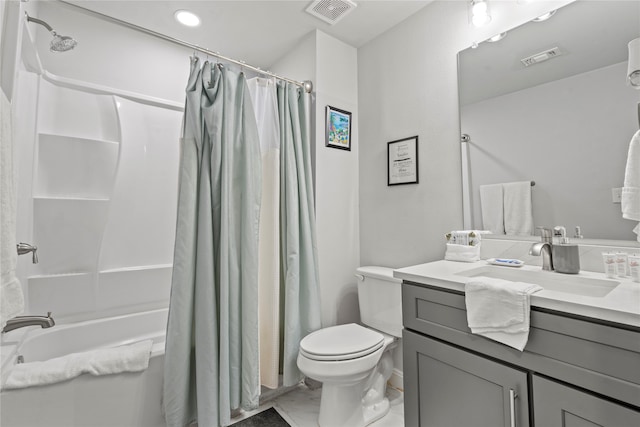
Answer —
(407, 85)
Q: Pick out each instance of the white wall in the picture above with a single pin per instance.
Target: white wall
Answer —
(332, 65)
(407, 83)
(573, 148)
(112, 55)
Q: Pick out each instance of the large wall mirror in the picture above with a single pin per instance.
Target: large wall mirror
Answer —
(564, 123)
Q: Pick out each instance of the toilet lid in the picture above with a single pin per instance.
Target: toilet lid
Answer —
(341, 342)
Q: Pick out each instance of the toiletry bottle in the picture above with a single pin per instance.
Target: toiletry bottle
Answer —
(566, 256)
(634, 267)
(609, 259)
(622, 260)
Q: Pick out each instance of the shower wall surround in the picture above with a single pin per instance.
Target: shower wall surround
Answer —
(104, 175)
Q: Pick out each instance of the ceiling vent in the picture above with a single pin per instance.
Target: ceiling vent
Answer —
(331, 11)
(542, 56)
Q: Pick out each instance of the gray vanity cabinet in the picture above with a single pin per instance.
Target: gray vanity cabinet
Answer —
(556, 404)
(574, 372)
(453, 387)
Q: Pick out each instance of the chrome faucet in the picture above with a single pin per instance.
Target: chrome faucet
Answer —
(22, 321)
(544, 248)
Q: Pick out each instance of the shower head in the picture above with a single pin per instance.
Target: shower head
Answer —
(62, 43)
(59, 43)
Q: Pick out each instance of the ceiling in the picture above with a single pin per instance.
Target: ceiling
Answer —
(256, 31)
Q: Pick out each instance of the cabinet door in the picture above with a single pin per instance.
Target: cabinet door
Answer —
(558, 405)
(447, 386)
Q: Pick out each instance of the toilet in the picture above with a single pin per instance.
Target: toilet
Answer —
(354, 362)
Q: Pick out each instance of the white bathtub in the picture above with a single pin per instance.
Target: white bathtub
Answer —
(122, 400)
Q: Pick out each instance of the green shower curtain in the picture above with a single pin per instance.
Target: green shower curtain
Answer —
(212, 345)
(299, 293)
(211, 359)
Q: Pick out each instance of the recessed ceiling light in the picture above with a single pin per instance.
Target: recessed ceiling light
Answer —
(544, 17)
(187, 18)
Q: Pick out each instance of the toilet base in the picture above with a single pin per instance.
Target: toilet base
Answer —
(375, 412)
(341, 405)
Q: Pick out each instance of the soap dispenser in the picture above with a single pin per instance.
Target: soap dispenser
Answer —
(566, 256)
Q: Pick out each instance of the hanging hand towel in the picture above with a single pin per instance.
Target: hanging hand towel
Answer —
(491, 203)
(631, 189)
(518, 214)
(11, 298)
(104, 361)
(499, 309)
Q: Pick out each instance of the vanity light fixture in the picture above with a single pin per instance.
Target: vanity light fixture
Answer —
(544, 17)
(187, 18)
(497, 37)
(480, 13)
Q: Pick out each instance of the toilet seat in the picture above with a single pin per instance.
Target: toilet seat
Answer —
(342, 342)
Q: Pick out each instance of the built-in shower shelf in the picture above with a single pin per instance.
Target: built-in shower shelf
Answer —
(78, 138)
(75, 167)
(137, 268)
(59, 275)
(73, 198)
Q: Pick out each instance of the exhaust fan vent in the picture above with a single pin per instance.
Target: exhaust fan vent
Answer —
(542, 56)
(331, 11)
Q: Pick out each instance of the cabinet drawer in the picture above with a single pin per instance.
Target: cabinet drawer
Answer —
(591, 355)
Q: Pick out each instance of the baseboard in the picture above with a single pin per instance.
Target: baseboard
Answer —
(396, 381)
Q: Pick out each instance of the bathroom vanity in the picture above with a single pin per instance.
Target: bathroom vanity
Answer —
(581, 365)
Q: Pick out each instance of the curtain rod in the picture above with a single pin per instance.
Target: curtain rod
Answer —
(307, 85)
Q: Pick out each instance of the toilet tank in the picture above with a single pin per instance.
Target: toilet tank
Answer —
(380, 299)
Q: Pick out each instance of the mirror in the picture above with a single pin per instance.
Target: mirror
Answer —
(564, 123)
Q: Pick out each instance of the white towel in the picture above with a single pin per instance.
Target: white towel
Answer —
(128, 358)
(492, 206)
(499, 309)
(631, 189)
(518, 213)
(11, 297)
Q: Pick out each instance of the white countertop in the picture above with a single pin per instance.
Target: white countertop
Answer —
(621, 305)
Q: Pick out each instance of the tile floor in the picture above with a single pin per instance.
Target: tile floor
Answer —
(300, 407)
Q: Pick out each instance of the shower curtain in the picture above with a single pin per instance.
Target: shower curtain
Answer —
(212, 347)
(300, 284)
(211, 353)
(265, 104)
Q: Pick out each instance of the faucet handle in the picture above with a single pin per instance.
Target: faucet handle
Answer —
(546, 234)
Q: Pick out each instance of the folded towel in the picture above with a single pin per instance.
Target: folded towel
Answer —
(128, 358)
(11, 297)
(518, 213)
(492, 207)
(631, 189)
(462, 253)
(499, 309)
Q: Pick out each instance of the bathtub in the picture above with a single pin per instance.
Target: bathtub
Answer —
(121, 400)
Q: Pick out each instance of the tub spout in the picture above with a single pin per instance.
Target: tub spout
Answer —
(22, 321)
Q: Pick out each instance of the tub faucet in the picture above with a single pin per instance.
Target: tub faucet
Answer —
(25, 248)
(22, 321)
(544, 248)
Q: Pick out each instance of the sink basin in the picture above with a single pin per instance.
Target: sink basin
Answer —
(548, 280)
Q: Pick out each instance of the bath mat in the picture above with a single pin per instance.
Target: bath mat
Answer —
(268, 418)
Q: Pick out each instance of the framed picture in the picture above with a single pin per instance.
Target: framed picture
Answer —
(402, 161)
(338, 128)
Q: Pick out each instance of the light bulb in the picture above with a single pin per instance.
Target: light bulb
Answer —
(187, 18)
(479, 13)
